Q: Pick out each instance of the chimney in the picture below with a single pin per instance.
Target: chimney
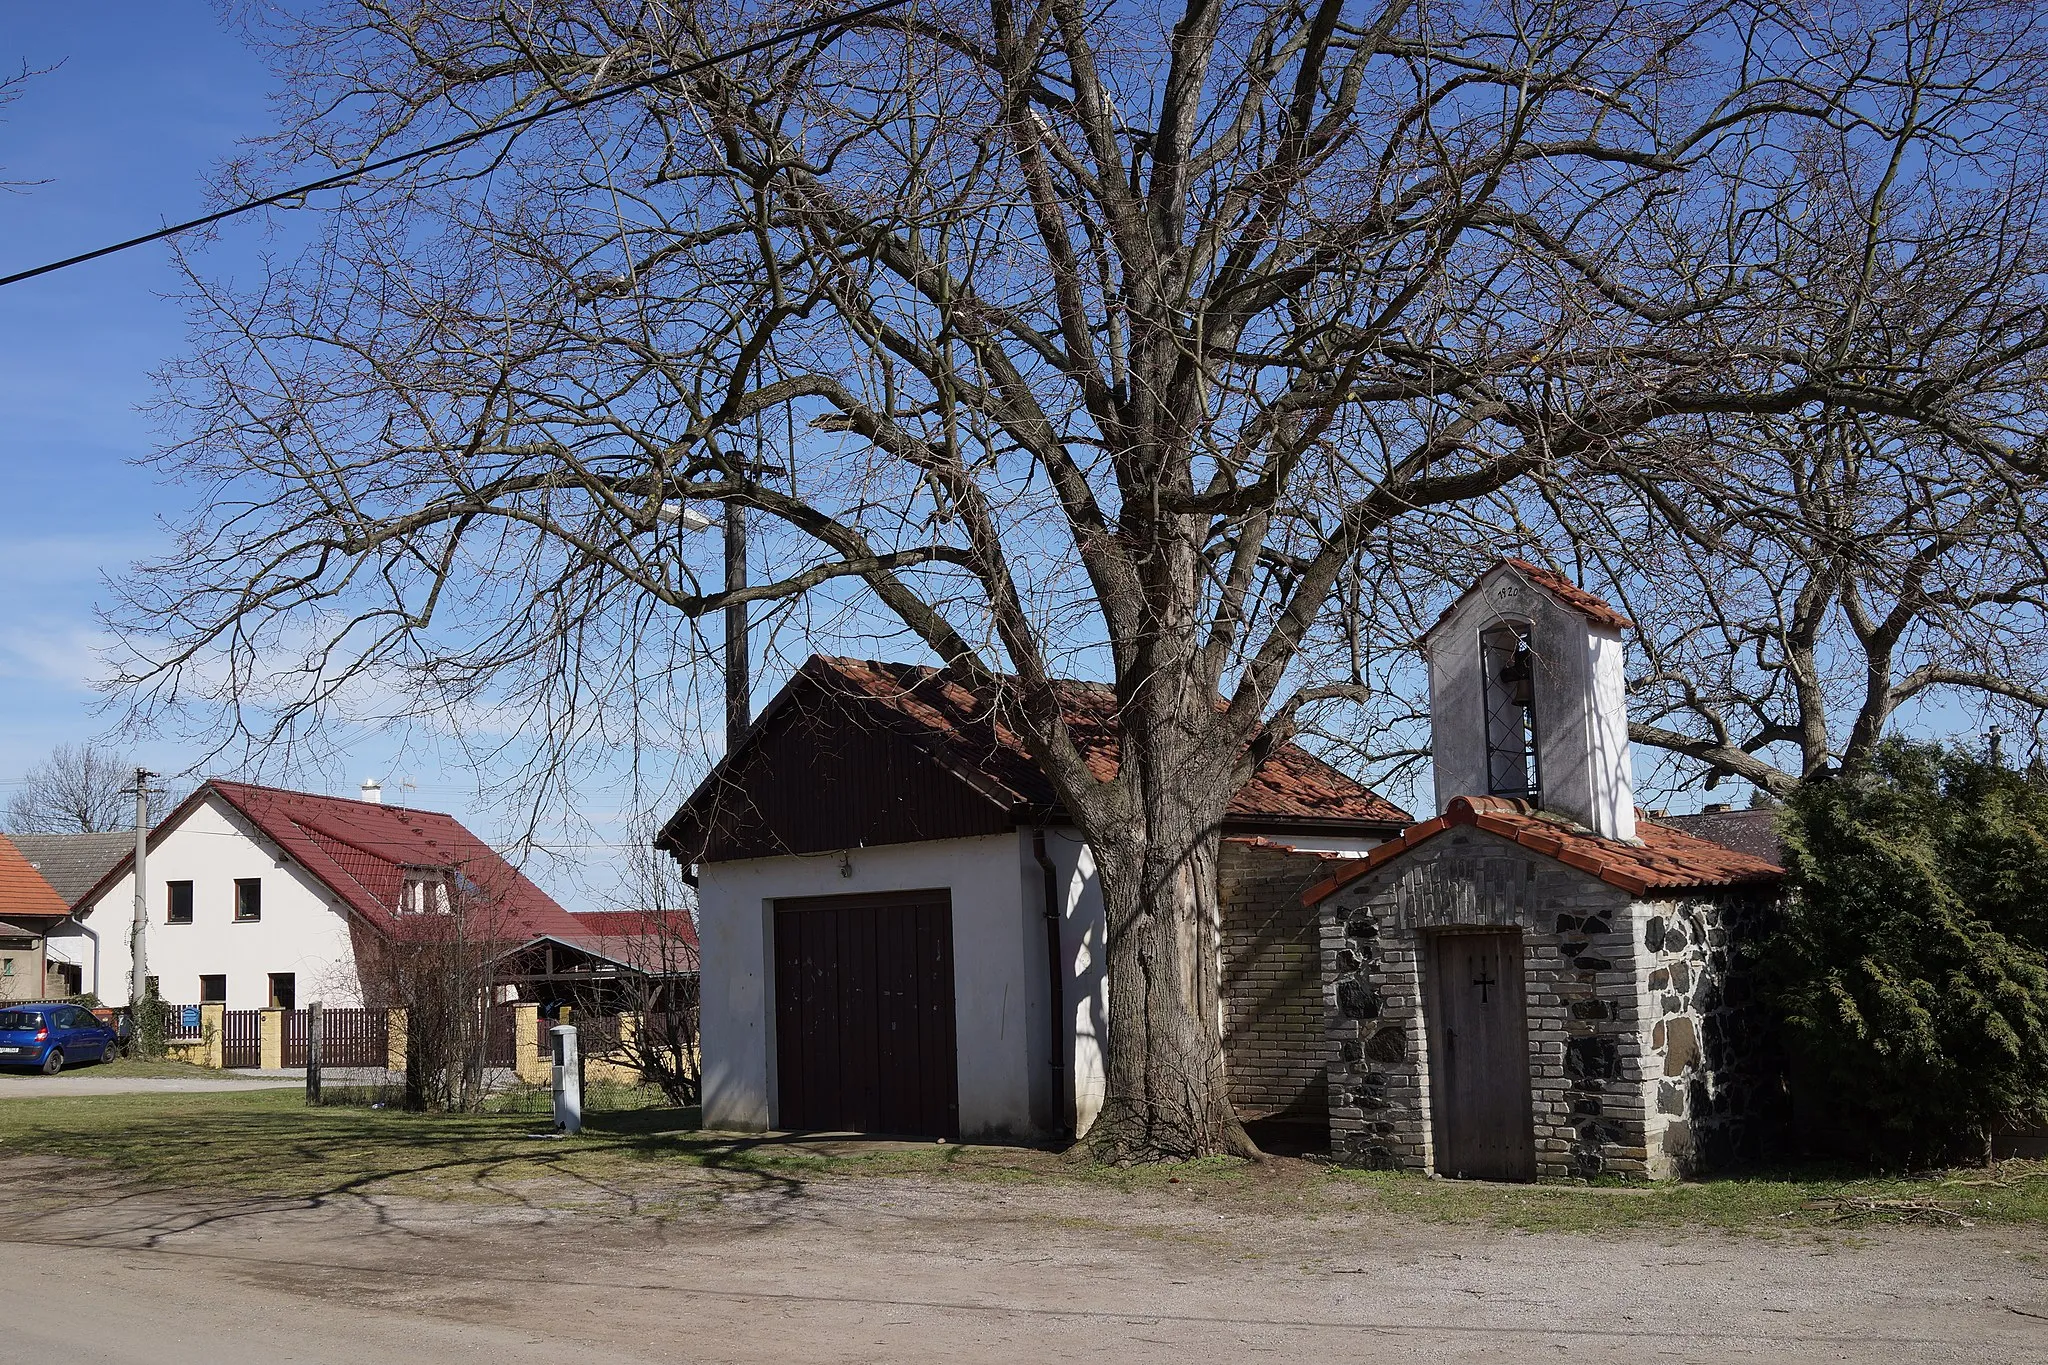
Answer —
(1526, 699)
(373, 791)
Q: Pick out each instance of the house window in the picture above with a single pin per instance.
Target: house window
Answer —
(284, 991)
(6, 966)
(213, 990)
(248, 899)
(1510, 679)
(150, 989)
(180, 911)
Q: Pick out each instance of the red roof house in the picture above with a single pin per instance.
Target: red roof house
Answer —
(259, 896)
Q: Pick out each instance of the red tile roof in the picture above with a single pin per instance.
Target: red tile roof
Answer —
(1557, 585)
(1665, 859)
(362, 852)
(673, 924)
(659, 943)
(956, 725)
(23, 892)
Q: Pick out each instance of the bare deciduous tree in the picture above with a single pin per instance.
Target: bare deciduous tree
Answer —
(76, 790)
(1057, 339)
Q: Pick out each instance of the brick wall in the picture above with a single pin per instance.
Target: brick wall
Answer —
(1273, 1025)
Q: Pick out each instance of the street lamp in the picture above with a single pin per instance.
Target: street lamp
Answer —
(737, 686)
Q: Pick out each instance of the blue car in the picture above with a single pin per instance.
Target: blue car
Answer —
(48, 1036)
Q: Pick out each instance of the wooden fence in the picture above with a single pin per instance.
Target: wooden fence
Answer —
(359, 1038)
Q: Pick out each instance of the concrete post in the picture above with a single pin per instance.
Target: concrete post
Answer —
(270, 1039)
(394, 1040)
(213, 1025)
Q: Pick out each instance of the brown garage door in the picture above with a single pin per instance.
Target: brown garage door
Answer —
(864, 1014)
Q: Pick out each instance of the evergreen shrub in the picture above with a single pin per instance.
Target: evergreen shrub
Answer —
(1911, 967)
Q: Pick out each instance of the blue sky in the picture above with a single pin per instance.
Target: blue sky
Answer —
(145, 98)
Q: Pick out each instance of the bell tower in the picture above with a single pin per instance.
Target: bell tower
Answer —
(1527, 700)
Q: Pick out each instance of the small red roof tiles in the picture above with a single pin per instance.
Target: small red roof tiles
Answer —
(955, 724)
(23, 892)
(1557, 585)
(672, 924)
(1664, 859)
(362, 852)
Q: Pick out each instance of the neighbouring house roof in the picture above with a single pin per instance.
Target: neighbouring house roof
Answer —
(74, 863)
(936, 762)
(1662, 859)
(24, 892)
(675, 925)
(362, 852)
(1557, 585)
(17, 931)
(1754, 832)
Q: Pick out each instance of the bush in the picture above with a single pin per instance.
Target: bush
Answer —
(1909, 968)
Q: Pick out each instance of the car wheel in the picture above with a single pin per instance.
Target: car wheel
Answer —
(112, 1051)
(53, 1063)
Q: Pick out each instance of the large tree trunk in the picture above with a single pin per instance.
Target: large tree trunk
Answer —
(1168, 1094)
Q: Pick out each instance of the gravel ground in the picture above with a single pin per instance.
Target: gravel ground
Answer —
(738, 1266)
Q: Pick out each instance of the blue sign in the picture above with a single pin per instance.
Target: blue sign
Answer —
(188, 1016)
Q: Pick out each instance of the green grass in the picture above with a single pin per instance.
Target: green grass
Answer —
(644, 1159)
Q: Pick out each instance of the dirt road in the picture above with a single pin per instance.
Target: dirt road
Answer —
(733, 1267)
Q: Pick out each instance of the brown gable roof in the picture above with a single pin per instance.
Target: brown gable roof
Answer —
(1291, 785)
(23, 892)
(1665, 859)
(1557, 585)
(1754, 832)
(74, 863)
(362, 852)
(955, 728)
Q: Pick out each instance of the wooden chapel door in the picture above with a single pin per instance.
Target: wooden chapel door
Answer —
(1479, 1057)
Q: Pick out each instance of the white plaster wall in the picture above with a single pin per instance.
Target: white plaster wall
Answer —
(303, 930)
(999, 976)
(1582, 751)
(1084, 948)
(1610, 761)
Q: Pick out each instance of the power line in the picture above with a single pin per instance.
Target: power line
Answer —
(465, 139)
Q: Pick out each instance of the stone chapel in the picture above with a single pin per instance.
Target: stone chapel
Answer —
(1541, 980)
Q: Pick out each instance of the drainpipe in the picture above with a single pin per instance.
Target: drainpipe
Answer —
(1056, 979)
(85, 929)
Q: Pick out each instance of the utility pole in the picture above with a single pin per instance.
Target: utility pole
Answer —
(138, 946)
(737, 685)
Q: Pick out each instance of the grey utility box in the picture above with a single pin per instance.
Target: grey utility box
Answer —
(568, 1081)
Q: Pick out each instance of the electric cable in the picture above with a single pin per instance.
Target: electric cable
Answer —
(341, 178)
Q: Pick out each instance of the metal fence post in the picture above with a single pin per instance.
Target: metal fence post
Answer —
(313, 1053)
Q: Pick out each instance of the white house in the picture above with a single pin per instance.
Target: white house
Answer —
(901, 930)
(259, 897)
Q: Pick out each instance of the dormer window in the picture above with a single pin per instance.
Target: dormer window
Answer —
(1510, 702)
(425, 892)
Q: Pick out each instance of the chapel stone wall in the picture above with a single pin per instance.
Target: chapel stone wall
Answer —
(1585, 986)
(1716, 1097)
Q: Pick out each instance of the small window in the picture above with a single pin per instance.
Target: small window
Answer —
(150, 989)
(248, 899)
(180, 911)
(6, 966)
(284, 991)
(1510, 689)
(213, 990)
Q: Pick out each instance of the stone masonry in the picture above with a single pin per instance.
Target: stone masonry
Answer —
(1639, 1060)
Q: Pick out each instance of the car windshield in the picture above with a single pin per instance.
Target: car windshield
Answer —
(20, 1019)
